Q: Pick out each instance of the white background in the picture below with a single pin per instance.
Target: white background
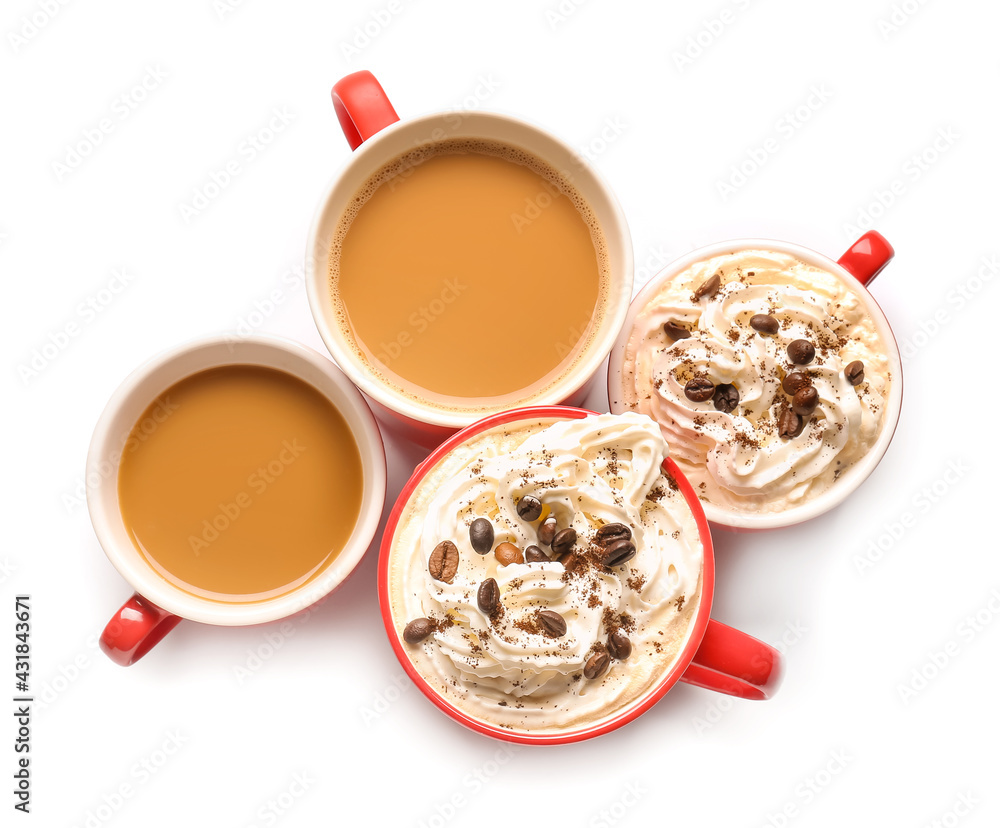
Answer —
(853, 95)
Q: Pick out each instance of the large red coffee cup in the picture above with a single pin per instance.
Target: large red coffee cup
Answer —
(377, 136)
(713, 656)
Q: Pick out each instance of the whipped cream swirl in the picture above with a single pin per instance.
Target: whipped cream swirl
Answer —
(737, 460)
(588, 472)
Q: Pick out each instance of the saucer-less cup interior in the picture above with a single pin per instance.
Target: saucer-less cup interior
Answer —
(125, 408)
(857, 267)
(422, 421)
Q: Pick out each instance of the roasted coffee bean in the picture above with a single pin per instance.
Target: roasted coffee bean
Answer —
(801, 351)
(708, 288)
(618, 552)
(699, 389)
(507, 554)
(611, 532)
(790, 424)
(563, 541)
(764, 323)
(794, 381)
(417, 630)
(444, 562)
(805, 400)
(855, 372)
(726, 397)
(481, 535)
(529, 508)
(597, 665)
(547, 531)
(488, 596)
(535, 555)
(675, 331)
(619, 646)
(552, 623)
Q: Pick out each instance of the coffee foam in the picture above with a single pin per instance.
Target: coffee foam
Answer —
(561, 180)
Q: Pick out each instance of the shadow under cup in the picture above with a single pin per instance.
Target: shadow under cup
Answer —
(159, 603)
(417, 417)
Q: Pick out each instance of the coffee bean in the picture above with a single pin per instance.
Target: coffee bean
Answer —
(508, 554)
(764, 323)
(597, 665)
(801, 351)
(481, 535)
(552, 623)
(535, 555)
(855, 372)
(805, 400)
(675, 331)
(619, 646)
(547, 531)
(708, 288)
(488, 596)
(417, 630)
(790, 424)
(794, 381)
(563, 541)
(699, 389)
(618, 552)
(611, 532)
(529, 508)
(443, 563)
(726, 397)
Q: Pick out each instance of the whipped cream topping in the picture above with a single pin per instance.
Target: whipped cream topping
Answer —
(588, 472)
(737, 460)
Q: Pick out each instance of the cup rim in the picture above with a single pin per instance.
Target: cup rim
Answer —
(861, 469)
(106, 517)
(399, 404)
(696, 630)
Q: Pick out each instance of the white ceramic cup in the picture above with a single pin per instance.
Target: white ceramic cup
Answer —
(158, 605)
(378, 136)
(858, 267)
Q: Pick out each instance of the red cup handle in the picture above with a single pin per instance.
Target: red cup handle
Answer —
(729, 661)
(867, 256)
(135, 629)
(362, 107)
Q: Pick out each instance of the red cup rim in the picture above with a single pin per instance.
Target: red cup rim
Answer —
(695, 632)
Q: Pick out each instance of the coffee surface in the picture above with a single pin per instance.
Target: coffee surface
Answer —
(468, 270)
(240, 483)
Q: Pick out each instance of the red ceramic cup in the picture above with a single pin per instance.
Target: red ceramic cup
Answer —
(715, 656)
(857, 268)
(158, 605)
(377, 136)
